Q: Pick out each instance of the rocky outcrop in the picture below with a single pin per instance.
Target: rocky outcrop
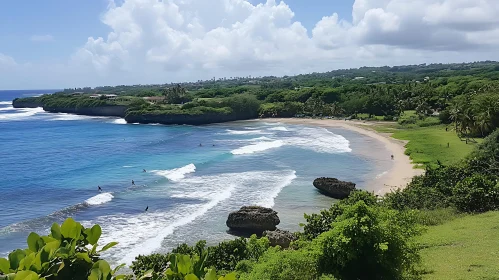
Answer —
(280, 237)
(334, 188)
(183, 118)
(253, 219)
(104, 111)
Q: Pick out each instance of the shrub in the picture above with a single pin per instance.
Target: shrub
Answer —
(432, 190)
(276, 264)
(320, 223)
(185, 267)
(68, 252)
(369, 242)
(477, 193)
(158, 263)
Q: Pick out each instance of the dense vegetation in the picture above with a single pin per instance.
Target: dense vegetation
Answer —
(466, 95)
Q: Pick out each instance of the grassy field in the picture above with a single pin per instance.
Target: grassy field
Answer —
(465, 248)
(429, 144)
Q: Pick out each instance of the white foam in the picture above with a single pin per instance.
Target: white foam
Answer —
(73, 117)
(5, 102)
(381, 175)
(142, 234)
(7, 108)
(257, 147)
(252, 188)
(279, 128)
(267, 200)
(127, 166)
(100, 199)
(245, 132)
(21, 113)
(319, 140)
(176, 174)
(119, 121)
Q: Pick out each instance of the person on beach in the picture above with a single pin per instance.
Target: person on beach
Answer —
(392, 157)
(133, 183)
(100, 189)
(147, 208)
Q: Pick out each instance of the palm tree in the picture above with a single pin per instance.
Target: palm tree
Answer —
(455, 116)
(484, 122)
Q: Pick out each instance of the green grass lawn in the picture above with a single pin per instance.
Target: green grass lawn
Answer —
(465, 248)
(429, 144)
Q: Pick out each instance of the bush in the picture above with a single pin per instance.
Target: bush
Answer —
(369, 242)
(485, 158)
(432, 190)
(477, 193)
(158, 263)
(283, 265)
(320, 223)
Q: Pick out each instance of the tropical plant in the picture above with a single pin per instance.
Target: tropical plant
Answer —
(69, 252)
(186, 267)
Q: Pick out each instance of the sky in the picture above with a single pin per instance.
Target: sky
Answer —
(73, 43)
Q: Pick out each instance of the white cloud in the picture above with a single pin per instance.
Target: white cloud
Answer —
(42, 38)
(161, 41)
(7, 61)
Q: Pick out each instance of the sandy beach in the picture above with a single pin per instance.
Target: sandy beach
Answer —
(402, 170)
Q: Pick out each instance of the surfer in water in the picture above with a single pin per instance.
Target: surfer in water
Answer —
(147, 208)
(133, 183)
(200, 145)
(100, 189)
(143, 170)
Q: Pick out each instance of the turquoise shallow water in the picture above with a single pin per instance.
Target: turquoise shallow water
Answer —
(51, 165)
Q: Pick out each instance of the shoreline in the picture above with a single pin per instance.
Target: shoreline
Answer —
(402, 170)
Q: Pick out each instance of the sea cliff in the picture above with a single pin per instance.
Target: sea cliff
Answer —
(180, 119)
(104, 111)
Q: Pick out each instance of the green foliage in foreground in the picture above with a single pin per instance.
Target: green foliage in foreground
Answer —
(223, 257)
(68, 252)
(185, 267)
(465, 248)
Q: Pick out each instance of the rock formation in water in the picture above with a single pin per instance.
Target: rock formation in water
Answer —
(334, 188)
(253, 219)
(280, 237)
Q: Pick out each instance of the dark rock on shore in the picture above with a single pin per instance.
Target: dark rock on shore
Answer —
(253, 219)
(280, 237)
(334, 188)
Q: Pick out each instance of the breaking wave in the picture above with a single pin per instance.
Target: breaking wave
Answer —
(100, 199)
(176, 174)
(257, 147)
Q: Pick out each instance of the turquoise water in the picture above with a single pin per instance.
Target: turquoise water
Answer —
(52, 164)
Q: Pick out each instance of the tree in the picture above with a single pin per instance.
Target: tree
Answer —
(174, 95)
(369, 242)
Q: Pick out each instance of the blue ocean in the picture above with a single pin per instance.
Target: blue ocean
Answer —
(51, 166)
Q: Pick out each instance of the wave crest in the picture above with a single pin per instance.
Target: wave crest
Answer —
(176, 174)
(257, 147)
(99, 199)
